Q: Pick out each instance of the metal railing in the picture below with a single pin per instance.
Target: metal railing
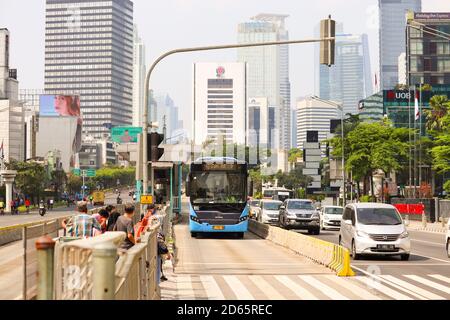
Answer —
(119, 274)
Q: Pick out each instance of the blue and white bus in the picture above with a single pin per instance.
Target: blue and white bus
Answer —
(217, 187)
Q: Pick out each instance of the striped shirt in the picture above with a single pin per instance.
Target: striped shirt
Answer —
(82, 225)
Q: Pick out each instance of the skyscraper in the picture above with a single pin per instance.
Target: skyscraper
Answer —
(89, 52)
(349, 80)
(139, 72)
(268, 67)
(392, 37)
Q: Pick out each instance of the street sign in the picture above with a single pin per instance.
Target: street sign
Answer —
(90, 173)
(76, 172)
(146, 199)
(125, 134)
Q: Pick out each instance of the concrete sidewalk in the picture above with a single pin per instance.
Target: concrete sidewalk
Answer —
(430, 227)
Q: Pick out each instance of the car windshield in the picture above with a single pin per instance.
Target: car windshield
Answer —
(254, 203)
(272, 205)
(378, 216)
(334, 211)
(300, 205)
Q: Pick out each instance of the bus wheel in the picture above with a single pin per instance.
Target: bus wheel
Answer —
(193, 234)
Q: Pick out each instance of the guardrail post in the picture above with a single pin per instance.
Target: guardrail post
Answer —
(105, 271)
(424, 220)
(24, 270)
(45, 252)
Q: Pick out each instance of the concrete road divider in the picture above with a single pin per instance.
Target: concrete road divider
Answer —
(331, 255)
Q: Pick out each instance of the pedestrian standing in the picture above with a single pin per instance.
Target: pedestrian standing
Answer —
(102, 218)
(27, 204)
(125, 224)
(82, 225)
(112, 220)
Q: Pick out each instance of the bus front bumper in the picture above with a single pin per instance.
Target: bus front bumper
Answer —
(206, 227)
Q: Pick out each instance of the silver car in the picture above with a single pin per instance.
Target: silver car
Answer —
(300, 214)
(375, 229)
(270, 209)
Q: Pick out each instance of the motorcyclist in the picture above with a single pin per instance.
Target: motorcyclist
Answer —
(42, 207)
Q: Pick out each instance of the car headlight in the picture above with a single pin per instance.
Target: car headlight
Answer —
(315, 216)
(362, 234)
(404, 235)
(291, 215)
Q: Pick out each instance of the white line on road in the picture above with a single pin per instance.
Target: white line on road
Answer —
(357, 290)
(238, 288)
(429, 283)
(379, 280)
(384, 289)
(326, 290)
(407, 285)
(212, 288)
(185, 291)
(299, 291)
(440, 277)
(270, 292)
(428, 257)
(429, 242)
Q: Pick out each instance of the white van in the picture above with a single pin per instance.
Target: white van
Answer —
(374, 229)
(270, 211)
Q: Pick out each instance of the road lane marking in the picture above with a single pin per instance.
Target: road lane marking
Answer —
(238, 288)
(384, 289)
(379, 280)
(270, 292)
(407, 285)
(185, 291)
(429, 283)
(357, 290)
(430, 242)
(212, 288)
(326, 290)
(440, 277)
(428, 257)
(301, 292)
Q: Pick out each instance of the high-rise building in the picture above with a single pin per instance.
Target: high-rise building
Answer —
(349, 80)
(89, 52)
(268, 68)
(168, 118)
(220, 102)
(12, 133)
(314, 115)
(402, 79)
(392, 16)
(428, 55)
(258, 122)
(139, 72)
(31, 99)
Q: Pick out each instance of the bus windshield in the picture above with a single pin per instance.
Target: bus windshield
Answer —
(218, 187)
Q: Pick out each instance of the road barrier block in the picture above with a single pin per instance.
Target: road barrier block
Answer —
(333, 256)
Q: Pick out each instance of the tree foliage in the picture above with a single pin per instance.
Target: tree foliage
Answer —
(31, 178)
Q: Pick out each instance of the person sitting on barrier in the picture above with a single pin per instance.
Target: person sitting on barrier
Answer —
(102, 218)
(82, 225)
(113, 216)
(125, 224)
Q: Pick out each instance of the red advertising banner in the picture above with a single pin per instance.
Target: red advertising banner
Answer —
(410, 208)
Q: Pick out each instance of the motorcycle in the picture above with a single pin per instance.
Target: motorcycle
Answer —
(119, 200)
(42, 211)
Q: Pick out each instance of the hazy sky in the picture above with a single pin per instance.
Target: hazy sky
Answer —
(169, 24)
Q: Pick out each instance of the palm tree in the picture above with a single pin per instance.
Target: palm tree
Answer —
(439, 108)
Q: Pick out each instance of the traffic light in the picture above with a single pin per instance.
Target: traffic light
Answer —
(327, 48)
(153, 152)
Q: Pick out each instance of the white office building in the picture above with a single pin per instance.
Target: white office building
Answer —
(392, 37)
(314, 115)
(402, 69)
(219, 102)
(11, 109)
(139, 72)
(89, 52)
(268, 68)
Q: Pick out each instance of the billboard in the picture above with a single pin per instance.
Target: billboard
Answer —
(63, 106)
(126, 134)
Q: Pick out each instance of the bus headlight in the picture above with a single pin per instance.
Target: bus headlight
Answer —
(244, 218)
(195, 219)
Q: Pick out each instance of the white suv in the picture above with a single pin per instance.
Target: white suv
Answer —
(375, 229)
(330, 217)
(270, 211)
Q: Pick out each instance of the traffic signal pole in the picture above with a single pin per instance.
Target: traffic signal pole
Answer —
(145, 122)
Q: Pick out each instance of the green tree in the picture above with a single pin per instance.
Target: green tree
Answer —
(74, 183)
(58, 180)
(31, 178)
(294, 154)
(439, 108)
(294, 179)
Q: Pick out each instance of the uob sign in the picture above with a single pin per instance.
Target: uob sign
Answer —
(398, 96)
